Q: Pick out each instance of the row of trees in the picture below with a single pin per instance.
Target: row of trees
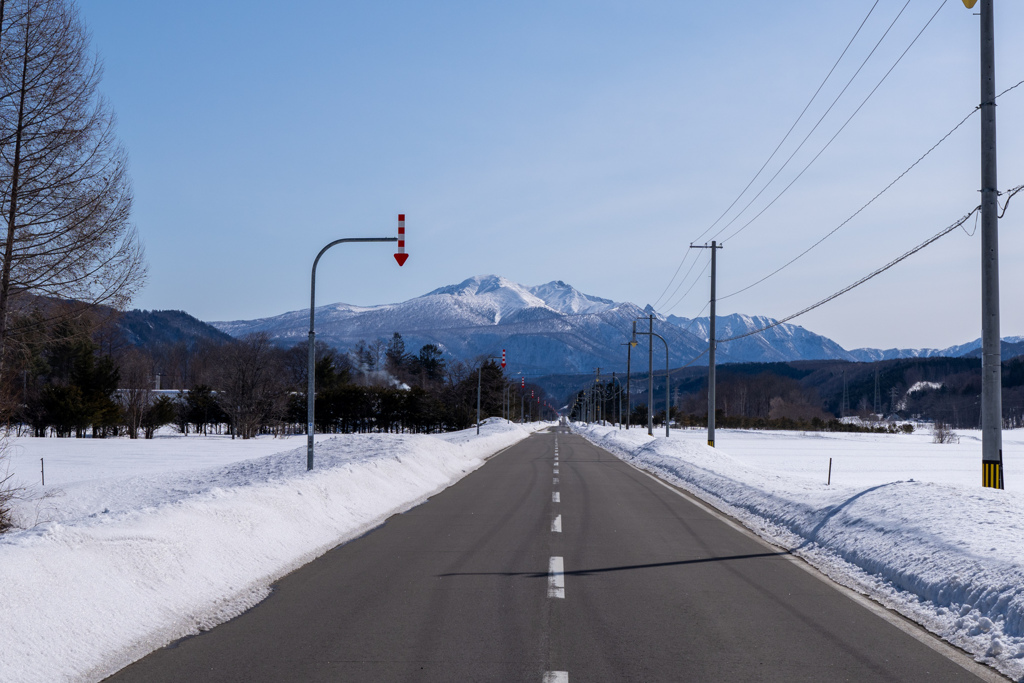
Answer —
(945, 390)
(82, 382)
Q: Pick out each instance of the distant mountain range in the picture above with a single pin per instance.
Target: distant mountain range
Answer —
(554, 328)
(152, 328)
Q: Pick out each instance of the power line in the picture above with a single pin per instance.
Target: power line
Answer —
(688, 289)
(872, 200)
(681, 283)
(879, 271)
(777, 147)
(811, 132)
(855, 213)
(832, 139)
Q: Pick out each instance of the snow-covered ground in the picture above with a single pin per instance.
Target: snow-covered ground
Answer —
(133, 544)
(904, 521)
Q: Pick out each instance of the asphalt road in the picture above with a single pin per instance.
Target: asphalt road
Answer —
(476, 584)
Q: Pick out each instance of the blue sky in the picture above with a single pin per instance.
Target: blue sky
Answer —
(588, 142)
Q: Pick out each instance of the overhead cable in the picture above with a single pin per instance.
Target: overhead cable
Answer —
(855, 213)
(811, 132)
(776, 150)
(872, 200)
(682, 282)
(844, 290)
(832, 139)
(692, 285)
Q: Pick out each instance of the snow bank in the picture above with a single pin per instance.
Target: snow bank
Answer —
(124, 565)
(948, 556)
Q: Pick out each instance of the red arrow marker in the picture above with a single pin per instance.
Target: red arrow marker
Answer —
(503, 358)
(401, 256)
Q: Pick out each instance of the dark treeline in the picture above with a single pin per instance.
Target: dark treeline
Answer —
(810, 394)
(80, 377)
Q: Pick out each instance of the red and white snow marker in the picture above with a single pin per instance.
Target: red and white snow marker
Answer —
(401, 256)
(503, 359)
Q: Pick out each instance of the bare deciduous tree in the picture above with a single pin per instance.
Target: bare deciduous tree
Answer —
(135, 395)
(65, 194)
(941, 433)
(251, 390)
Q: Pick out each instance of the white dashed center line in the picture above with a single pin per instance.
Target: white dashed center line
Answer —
(556, 578)
(555, 480)
(556, 524)
(555, 498)
(555, 677)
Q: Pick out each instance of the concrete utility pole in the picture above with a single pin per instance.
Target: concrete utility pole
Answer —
(711, 342)
(878, 397)
(991, 354)
(650, 376)
(401, 256)
(844, 408)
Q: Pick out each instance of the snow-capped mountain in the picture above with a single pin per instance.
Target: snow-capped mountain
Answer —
(550, 328)
(554, 328)
(783, 342)
(972, 349)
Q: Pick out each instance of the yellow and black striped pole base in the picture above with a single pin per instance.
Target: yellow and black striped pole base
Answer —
(711, 443)
(992, 474)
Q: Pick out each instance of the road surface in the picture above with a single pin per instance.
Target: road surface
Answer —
(556, 561)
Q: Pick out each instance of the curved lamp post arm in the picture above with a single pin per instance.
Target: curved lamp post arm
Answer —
(667, 406)
(311, 369)
(668, 410)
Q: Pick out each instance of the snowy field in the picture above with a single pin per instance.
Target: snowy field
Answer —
(134, 544)
(904, 521)
(869, 459)
(75, 460)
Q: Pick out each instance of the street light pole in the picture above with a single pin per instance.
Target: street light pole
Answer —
(668, 412)
(629, 354)
(311, 369)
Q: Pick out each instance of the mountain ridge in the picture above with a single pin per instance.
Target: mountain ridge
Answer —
(555, 328)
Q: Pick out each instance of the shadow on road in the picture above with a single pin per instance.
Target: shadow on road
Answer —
(623, 568)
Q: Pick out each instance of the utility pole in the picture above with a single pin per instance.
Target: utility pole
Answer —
(844, 409)
(650, 376)
(711, 342)
(991, 354)
(878, 396)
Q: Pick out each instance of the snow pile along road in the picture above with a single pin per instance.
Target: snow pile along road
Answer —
(124, 565)
(948, 556)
